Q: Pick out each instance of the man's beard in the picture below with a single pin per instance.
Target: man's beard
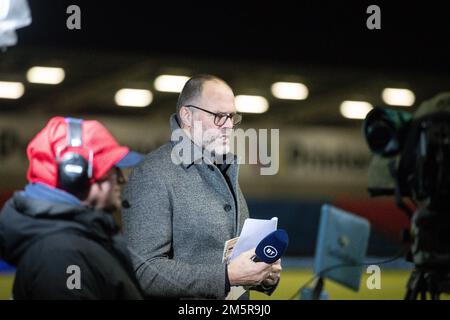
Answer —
(216, 142)
(216, 145)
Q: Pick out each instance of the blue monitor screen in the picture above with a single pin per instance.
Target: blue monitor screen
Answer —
(342, 240)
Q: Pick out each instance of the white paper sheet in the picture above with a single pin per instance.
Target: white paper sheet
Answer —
(253, 231)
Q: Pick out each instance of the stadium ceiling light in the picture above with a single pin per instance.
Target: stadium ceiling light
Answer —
(45, 75)
(289, 90)
(251, 104)
(133, 97)
(355, 109)
(398, 97)
(11, 90)
(170, 83)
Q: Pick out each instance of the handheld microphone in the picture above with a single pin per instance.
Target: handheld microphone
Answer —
(272, 247)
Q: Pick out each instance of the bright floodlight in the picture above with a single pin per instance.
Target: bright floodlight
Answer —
(398, 97)
(45, 75)
(170, 83)
(289, 90)
(355, 109)
(11, 90)
(133, 97)
(251, 104)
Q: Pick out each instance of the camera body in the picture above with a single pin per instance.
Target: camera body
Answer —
(412, 155)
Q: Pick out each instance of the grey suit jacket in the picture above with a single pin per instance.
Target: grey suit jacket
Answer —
(177, 221)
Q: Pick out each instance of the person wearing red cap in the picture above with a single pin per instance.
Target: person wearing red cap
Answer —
(59, 231)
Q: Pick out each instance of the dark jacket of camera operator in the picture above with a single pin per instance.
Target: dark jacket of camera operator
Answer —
(66, 245)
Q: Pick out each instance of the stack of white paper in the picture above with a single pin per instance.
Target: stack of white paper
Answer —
(253, 231)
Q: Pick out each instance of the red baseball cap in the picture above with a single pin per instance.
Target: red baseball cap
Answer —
(107, 153)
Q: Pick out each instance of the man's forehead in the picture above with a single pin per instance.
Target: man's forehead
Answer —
(216, 87)
(217, 92)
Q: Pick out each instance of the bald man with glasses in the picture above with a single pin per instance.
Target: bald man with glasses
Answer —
(179, 210)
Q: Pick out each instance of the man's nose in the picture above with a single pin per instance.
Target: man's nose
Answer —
(228, 124)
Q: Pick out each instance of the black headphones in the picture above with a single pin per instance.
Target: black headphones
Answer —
(74, 170)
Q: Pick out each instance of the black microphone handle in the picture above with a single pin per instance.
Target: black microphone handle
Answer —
(255, 258)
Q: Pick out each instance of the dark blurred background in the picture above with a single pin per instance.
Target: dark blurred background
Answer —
(324, 46)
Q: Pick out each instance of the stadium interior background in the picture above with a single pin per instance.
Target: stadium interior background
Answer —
(328, 49)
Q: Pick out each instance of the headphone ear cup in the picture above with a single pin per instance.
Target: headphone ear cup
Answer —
(73, 173)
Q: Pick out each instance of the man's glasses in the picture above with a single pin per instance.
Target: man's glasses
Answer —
(220, 118)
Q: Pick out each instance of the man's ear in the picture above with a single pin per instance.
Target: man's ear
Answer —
(186, 117)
